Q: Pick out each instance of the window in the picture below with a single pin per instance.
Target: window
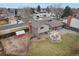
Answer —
(41, 27)
(49, 20)
(44, 15)
(46, 32)
(37, 16)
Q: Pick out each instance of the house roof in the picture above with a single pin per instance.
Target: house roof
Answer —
(52, 23)
(37, 24)
(12, 28)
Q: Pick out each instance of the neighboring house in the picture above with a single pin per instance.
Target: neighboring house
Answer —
(6, 13)
(11, 12)
(76, 15)
(40, 15)
(13, 20)
(7, 29)
(3, 21)
(43, 10)
(74, 22)
(24, 13)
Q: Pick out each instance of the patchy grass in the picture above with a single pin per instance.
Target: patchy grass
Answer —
(48, 48)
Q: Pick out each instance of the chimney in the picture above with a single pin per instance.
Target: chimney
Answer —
(69, 20)
(30, 26)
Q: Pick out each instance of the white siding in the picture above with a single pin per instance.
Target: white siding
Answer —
(74, 23)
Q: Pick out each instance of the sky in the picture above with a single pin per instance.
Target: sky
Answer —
(43, 5)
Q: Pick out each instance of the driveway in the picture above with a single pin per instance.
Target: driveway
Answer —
(68, 31)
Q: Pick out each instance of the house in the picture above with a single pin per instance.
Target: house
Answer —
(54, 24)
(39, 27)
(45, 26)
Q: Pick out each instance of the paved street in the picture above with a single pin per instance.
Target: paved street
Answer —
(12, 26)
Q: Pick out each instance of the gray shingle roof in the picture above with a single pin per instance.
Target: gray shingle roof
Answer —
(53, 23)
(37, 24)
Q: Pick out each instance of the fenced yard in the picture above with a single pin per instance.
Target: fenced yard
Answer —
(48, 48)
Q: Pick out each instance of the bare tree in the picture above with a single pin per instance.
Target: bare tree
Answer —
(48, 9)
(57, 10)
(32, 10)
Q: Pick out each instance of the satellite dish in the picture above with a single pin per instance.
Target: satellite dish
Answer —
(55, 36)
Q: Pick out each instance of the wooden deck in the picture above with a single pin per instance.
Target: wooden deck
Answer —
(12, 28)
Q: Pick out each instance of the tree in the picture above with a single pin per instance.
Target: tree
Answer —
(48, 9)
(8, 9)
(15, 12)
(32, 10)
(56, 9)
(16, 15)
(38, 8)
(67, 12)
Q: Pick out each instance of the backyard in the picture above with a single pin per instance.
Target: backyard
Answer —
(48, 48)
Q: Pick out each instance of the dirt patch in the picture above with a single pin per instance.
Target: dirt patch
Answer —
(2, 53)
(40, 37)
(15, 46)
(3, 22)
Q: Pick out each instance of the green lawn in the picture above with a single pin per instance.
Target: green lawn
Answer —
(48, 48)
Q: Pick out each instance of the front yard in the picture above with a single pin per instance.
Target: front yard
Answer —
(48, 48)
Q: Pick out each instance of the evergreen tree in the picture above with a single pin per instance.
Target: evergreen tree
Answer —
(67, 12)
(15, 12)
(38, 8)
